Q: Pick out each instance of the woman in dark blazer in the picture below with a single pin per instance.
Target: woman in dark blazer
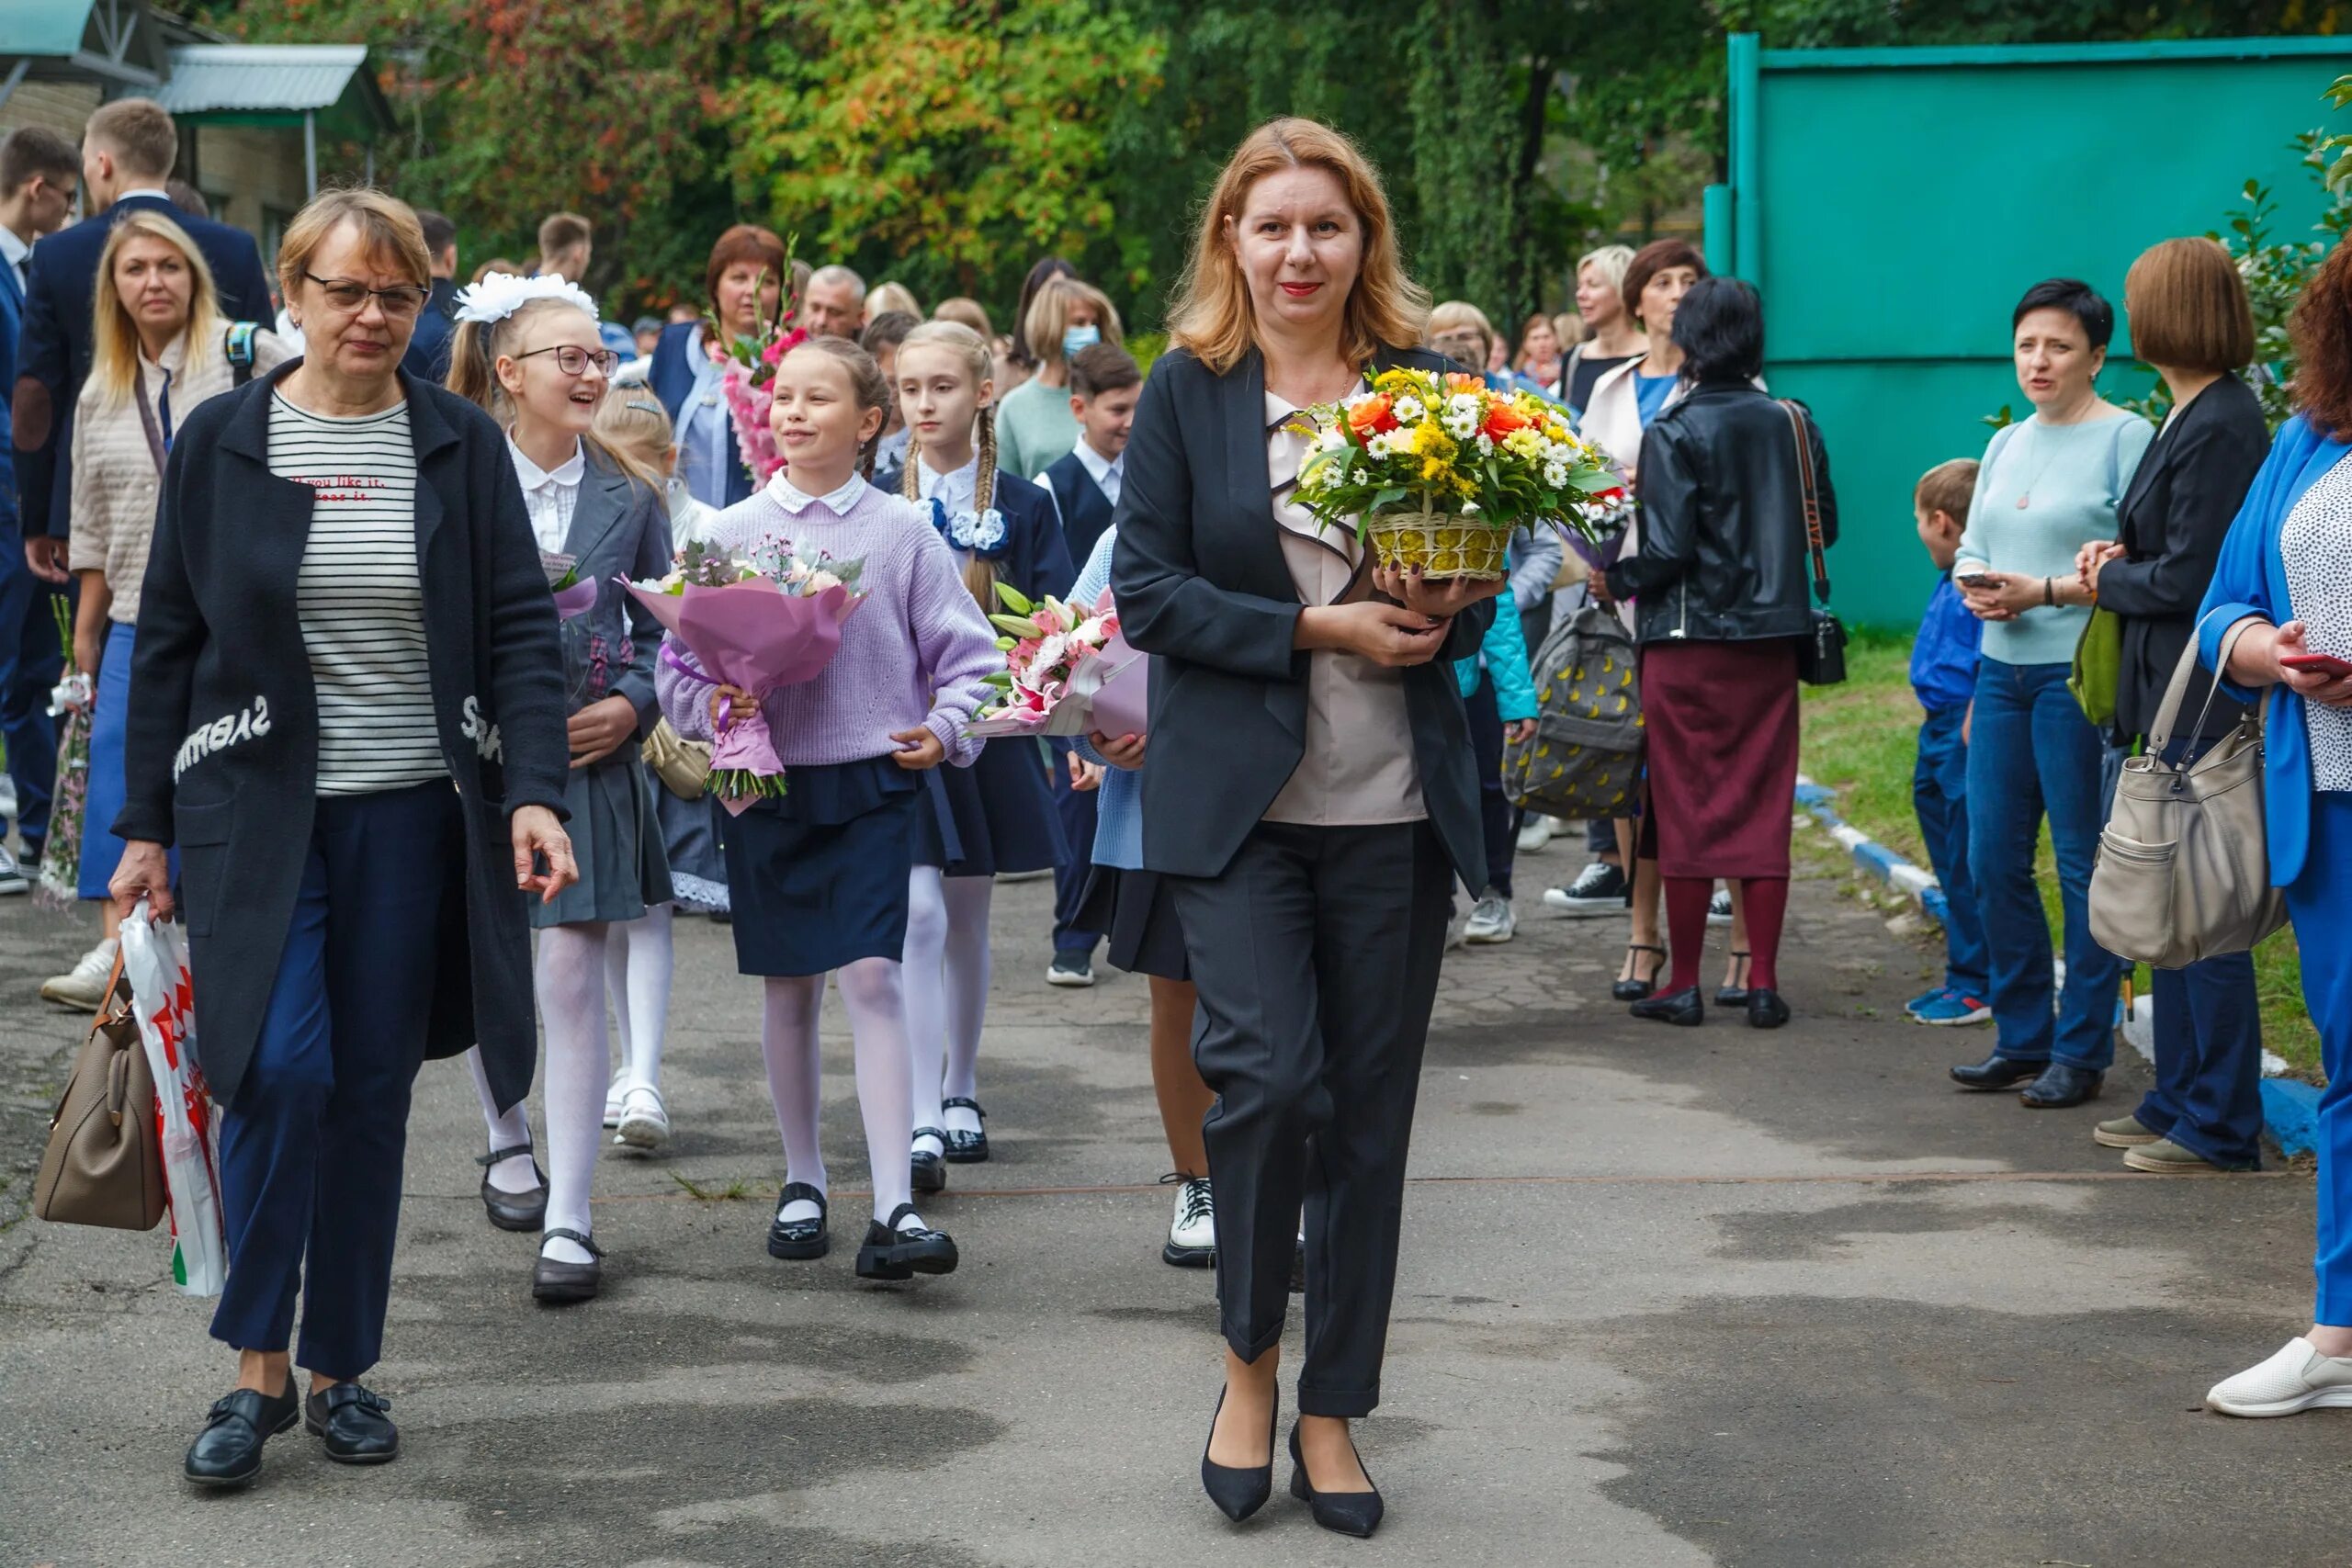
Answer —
(2189, 318)
(344, 616)
(743, 284)
(1311, 797)
(1721, 592)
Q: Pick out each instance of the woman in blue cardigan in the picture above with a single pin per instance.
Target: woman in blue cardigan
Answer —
(2285, 567)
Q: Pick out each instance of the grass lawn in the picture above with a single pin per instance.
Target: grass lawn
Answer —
(1859, 741)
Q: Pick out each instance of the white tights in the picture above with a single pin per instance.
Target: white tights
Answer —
(947, 991)
(877, 1019)
(641, 955)
(570, 974)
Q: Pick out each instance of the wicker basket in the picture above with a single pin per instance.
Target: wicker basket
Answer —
(1442, 544)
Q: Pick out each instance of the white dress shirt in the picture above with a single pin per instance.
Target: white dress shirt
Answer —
(1106, 472)
(550, 495)
(957, 491)
(14, 251)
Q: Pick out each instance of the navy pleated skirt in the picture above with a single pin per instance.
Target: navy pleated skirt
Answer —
(617, 840)
(819, 879)
(1134, 909)
(997, 815)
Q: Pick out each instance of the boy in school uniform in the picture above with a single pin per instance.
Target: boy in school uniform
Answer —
(1105, 383)
(1943, 675)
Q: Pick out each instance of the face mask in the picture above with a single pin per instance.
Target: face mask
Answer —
(1079, 338)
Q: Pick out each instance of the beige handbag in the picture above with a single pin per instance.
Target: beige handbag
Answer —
(681, 765)
(2184, 864)
(104, 1165)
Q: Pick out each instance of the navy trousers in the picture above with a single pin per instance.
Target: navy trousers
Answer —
(31, 660)
(1940, 799)
(1077, 809)
(311, 1151)
(1498, 821)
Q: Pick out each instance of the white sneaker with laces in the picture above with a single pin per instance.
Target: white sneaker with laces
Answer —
(2295, 1380)
(83, 986)
(12, 876)
(1534, 833)
(644, 1122)
(1719, 907)
(1192, 1235)
(1492, 922)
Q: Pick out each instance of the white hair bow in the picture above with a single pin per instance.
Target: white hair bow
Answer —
(500, 294)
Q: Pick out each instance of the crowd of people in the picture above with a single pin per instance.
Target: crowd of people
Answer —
(306, 520)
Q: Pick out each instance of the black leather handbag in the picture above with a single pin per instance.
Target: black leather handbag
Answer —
(1821, 655)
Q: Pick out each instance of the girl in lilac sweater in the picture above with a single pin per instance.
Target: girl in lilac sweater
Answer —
(819, 878)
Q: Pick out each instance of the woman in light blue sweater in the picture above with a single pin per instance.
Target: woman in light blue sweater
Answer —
(2047, 487)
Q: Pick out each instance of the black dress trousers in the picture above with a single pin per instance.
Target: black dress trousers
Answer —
(1316, 953)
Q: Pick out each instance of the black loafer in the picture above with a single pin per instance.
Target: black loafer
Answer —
(556, 1282)
(1348, 1513)
(797, 1241)
(930, 1169)
(355, 1423)
(1682, 1007)
(2060, 1086)
(227, 1453)
(1637, 988)
(1736, 996)
(891, 1253)
(1997, 1071)
(514, 1211)
(966, 1148)
(1765, 1009)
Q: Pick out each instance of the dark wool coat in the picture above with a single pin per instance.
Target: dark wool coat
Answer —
(1199, 580)
(221, 756)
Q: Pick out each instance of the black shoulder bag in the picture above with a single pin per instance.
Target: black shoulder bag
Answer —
(1821, 655)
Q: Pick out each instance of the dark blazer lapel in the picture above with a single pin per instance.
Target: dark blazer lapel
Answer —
(2157, 459)
(604, 502)
(1249, 486)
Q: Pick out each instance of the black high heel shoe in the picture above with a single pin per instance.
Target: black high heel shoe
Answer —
(1239, 1492)
(1348, 1513)
(1634, 987)
(1735, 994)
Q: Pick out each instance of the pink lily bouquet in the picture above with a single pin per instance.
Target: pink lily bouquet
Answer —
(1067, 670)
(747, 377)
(755, 621)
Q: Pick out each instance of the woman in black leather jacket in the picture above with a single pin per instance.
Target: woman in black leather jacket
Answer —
(1720, 597)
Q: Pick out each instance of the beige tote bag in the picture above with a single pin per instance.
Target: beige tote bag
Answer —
(2184, 864)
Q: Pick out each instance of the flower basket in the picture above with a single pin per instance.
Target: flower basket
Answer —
(1442, 546)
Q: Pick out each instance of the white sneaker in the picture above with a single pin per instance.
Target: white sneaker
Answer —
(1719, 907)
(83, 986)
(614, 1094)
(12, 876)
(1534, 833)
(1192, 1235)
(2297, 1379)
(645, 1124)
(1491, 921)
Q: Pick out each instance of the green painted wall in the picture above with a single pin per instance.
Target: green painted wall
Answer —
(1892, 205)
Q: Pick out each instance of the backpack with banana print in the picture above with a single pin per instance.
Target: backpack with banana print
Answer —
(1585, 758)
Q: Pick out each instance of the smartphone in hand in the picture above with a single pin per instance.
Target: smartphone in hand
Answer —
(2316, 663)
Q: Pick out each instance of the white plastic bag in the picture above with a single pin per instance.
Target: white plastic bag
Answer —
(154, 958)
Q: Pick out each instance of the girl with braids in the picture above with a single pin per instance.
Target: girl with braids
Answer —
(527, 351)
(999, 816)
(820, 877)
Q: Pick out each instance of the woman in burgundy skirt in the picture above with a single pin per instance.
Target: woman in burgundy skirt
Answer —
(1720, 598)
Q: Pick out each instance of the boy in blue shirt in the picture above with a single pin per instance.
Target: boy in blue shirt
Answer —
(1943, 674)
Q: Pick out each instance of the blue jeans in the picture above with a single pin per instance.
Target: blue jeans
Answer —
(1940, 798)
(2320, 904)
(2034, 753)
(2208, 1093)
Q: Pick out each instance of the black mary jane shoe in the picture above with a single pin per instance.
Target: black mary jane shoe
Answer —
(1997, 1071)
(355, 1423)
(1347, 1513)
(2060, 1086)
(966, 1148)
(227, 1453)
(556, 1282)
(891, 1253)
(1736, 996)
(1765, 1009)
(930, 1169)
(1636, 988)
(514, 1211)
(1682, 1007)
(797, 1241)
(1239, 1491)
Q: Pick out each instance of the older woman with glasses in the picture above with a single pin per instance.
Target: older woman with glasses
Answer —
(348, 712)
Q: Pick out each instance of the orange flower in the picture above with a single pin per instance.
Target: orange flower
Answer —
(1458, 381)
(1372, 415)
(1501, 419)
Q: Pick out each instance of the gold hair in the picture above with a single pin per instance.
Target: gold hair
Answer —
(979, 364)
(867, 383)
(474, 352)
(114, 358)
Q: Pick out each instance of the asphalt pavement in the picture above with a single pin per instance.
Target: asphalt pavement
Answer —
(1668, 1297)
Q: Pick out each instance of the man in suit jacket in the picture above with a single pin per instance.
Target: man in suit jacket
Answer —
(428, 351)
(128, 149)
(38, 171)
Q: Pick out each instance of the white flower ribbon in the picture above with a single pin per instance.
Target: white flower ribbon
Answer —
(500, 294)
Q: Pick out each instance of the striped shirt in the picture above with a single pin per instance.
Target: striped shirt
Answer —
(359, 598)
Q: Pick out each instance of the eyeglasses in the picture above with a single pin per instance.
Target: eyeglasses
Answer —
(347, 297)
(573, 360)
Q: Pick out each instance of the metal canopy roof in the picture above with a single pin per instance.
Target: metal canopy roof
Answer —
(275, 85)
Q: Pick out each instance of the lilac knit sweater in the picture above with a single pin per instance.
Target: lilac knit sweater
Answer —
(913, 653)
